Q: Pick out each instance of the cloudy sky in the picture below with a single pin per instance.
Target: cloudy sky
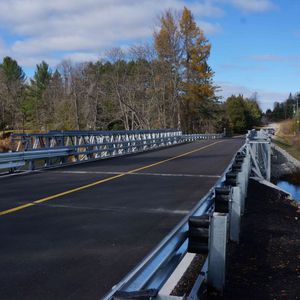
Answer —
(255, 43)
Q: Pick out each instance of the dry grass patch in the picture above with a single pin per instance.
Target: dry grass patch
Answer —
(5, 145)
(286, 138)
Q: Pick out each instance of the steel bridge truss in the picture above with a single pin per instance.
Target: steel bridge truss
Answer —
(56, 148)
(259, 147)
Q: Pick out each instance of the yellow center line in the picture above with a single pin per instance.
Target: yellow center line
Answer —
(20, 207)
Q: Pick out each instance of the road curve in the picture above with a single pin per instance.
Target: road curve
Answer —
(74, 232)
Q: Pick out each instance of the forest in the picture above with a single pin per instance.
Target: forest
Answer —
(166, 83)
(287, 109)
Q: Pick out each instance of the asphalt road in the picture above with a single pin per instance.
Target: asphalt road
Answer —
(74, 232)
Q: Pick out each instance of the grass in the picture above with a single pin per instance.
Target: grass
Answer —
(287, 140)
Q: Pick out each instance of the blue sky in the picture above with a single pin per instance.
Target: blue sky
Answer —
(255, 43)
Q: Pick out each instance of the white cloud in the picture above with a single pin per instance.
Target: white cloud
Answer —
(48, 29)
(58, 28)
(82, 56)
(265, 98)
(32, 61)
(252, 5)
(205, 9)
(210, 28)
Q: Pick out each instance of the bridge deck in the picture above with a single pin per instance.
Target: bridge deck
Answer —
(91, 223)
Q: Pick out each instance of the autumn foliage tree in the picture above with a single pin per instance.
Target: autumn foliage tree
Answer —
(167, 43)
(183, 48)
(199, 90)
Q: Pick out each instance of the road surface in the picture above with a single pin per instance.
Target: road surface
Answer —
(74, 232)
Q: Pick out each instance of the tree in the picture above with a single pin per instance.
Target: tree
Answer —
(12, 86)
(183, 50)
(60, 113)
(253, 113)
(198, 89)
(243, 113)
(235, 110)
(167, 43)
(37, 104)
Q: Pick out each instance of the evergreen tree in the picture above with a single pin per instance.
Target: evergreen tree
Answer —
(243, 113)
(12, 85)
(235, 110)
(36, 103)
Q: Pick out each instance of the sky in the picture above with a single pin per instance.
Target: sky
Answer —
(255, 43)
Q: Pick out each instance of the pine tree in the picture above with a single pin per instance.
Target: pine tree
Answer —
(12, 85)
(36, 103)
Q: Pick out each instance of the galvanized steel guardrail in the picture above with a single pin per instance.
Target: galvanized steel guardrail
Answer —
(52, 149)
(155, 269)
(206, 136)
(152, 273)
(11, 160)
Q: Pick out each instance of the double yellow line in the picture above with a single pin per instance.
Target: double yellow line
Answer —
(20, 207)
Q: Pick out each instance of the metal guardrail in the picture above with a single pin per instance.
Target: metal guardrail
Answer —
(155, 269)
(18, 159)
(55, 148)
(206, 136)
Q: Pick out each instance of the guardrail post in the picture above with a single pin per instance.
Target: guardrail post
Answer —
(31, 165)
(269, 161)
(217, 252)
(235, 214)
(241, 183)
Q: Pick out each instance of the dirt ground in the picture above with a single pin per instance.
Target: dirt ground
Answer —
(266, 263)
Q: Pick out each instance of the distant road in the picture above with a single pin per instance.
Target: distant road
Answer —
(74, 232)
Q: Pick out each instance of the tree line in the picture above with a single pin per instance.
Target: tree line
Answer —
(284, 110)
(165, 84)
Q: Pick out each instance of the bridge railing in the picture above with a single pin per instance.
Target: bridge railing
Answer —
(206, 136)
(223, 206)
(152, 273)
(46, 150)
(259, 143)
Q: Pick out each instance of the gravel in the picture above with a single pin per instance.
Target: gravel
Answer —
(266, 263)
(283, 163)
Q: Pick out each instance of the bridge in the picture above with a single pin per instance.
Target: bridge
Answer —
(73, 230)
